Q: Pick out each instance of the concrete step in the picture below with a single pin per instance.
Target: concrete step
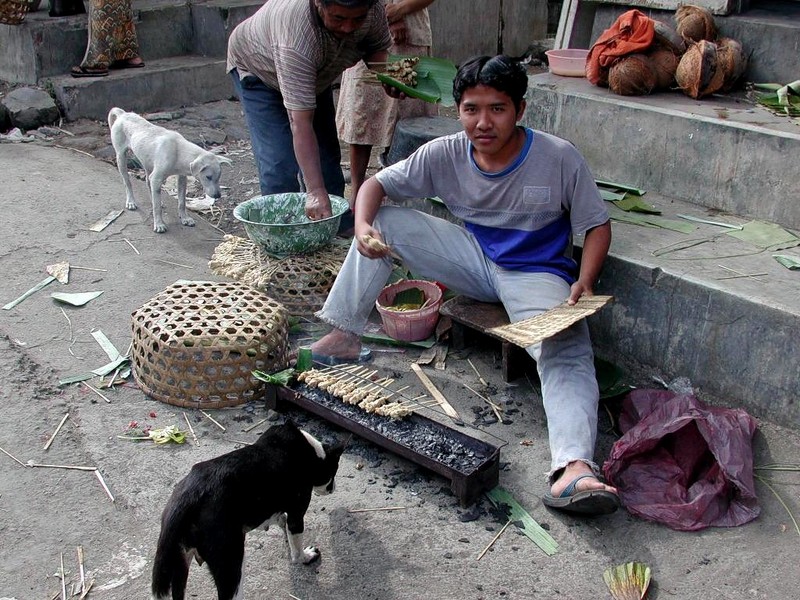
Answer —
(686, 313)
(769, 32)
(43, 47)
(721, 153)
(162, 85)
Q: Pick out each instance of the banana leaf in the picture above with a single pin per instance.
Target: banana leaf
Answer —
(781, 99)
(630, 203)
(434, 80)
(787, 260)
(504, 501)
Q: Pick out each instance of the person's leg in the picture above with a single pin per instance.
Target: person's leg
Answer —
(270, 135)
(430, 247)
(565, 363)
(330, 152)
(359, 161)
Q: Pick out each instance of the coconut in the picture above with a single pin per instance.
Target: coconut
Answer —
(632, 75)
(695, 23)
(697, 68)
(667, 37)
(732, 60)
(665, 63)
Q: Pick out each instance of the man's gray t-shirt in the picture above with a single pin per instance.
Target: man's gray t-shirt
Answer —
(523, 217)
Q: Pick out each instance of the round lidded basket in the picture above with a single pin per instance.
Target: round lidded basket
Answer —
(410, 325)
(278, 223)
(196, 344)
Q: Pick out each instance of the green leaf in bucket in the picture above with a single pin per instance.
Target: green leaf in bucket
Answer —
(410, 299)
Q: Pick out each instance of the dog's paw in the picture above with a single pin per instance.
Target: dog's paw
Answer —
(188, 221)
(310, 554)
(159, 227)
(130, 205)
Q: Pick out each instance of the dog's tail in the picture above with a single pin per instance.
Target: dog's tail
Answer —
(171, 565)
(113, 114)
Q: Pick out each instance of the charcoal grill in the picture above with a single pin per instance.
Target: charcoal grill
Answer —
(471, 465)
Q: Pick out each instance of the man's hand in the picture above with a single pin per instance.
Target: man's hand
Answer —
(370, 243)
(577, 290)
(318, 205)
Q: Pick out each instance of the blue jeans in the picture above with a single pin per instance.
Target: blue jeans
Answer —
(271, 137)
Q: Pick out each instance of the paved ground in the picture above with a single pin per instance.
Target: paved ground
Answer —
(428, 550)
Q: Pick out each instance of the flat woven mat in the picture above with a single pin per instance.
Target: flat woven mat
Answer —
(535, 329)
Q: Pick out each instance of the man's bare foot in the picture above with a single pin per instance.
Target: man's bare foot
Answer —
(339, 344)
(574, 470)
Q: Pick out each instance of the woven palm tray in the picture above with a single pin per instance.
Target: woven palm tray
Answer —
(301, 282)
(196, 344)
(535, 329)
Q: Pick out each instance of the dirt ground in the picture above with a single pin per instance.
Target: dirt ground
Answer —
(426, 549)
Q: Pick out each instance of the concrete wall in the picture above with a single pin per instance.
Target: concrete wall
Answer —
(464, 29)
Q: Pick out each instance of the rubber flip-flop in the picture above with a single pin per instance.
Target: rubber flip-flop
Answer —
(88, 72)
(331, 361)
(589, 502)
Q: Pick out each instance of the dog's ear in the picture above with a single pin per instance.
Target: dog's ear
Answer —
(224, 161)
(196, 166)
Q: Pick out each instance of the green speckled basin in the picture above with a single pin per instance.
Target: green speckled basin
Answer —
(279, 224)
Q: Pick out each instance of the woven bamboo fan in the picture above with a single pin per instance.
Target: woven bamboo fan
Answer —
(196, 344)
(535, 329)
(301, 282)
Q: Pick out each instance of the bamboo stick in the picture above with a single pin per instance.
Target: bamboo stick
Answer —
(499, 533)
(52, 437)
(81, 570)
(63, 582)
(249, 429)
(191, 430)
(96, 391)
(103, 483)
(13, 457)
(481, 379)
(210, 418)
(446, 406)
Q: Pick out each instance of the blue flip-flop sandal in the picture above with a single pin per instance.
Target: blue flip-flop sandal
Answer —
(588, 502)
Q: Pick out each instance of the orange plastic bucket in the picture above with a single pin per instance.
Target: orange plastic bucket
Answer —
(410, 325)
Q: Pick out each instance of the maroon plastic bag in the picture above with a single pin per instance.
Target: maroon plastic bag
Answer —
(682, 463)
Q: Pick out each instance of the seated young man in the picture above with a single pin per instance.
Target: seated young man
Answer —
(522, 195)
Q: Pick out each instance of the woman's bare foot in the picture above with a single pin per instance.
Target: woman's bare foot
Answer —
(339, 344)
(574, 470)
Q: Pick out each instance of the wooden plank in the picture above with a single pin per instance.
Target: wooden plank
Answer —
(435, 393)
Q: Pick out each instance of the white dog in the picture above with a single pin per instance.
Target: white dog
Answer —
(162, 153)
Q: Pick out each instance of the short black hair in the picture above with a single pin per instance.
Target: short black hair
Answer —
(501, 72)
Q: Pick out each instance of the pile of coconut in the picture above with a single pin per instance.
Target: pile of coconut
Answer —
(691, 56)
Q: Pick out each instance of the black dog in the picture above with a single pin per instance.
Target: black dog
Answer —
(212, 509)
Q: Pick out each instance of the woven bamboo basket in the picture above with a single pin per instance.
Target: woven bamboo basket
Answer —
(12, 12)
(301, 282)
(196, 344)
